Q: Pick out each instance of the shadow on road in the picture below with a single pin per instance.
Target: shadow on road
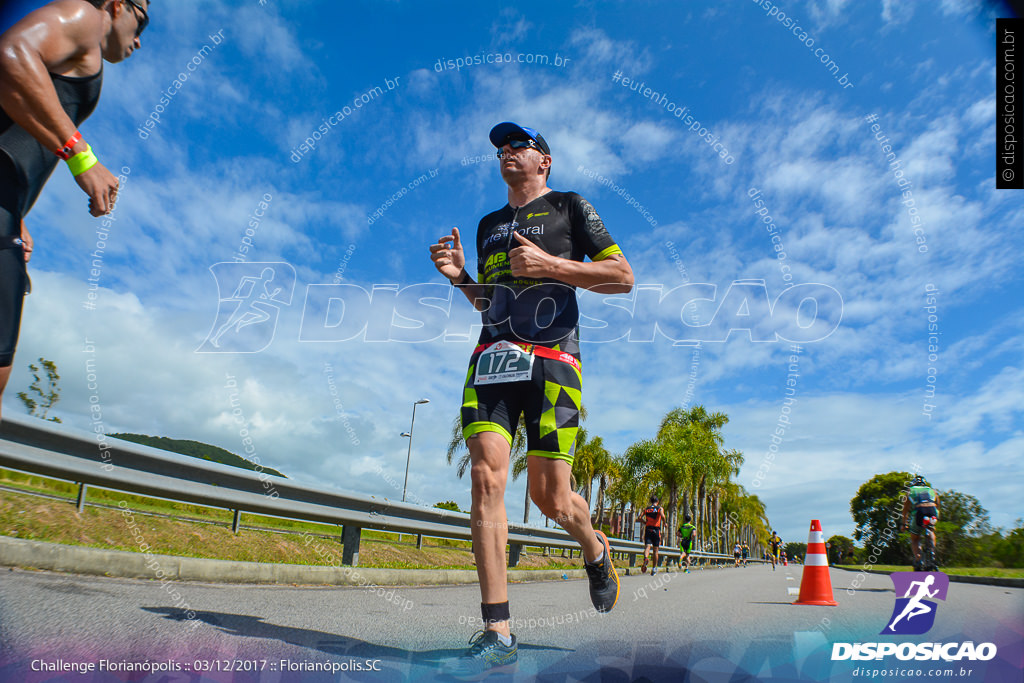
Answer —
(328, 643)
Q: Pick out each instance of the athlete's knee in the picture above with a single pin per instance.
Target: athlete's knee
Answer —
(553, 504)
(487, 482)
(540, 500)
(545, 498)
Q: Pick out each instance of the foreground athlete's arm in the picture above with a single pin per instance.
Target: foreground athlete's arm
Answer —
(611, 275)
(64, 38)
(27, 243)
(450, 260)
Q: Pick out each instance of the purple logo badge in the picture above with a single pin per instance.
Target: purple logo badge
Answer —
(914, 612)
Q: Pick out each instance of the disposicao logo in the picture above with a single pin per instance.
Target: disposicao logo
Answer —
(913, 614)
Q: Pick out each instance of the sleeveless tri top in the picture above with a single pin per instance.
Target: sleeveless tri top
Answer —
(33, 163)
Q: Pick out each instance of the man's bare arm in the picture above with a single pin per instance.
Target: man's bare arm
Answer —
(612, 275)
(450, 260)
(56, 38)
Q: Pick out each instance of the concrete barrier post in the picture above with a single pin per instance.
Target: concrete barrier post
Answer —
(515, 550)
(350, 537)
(80, 503)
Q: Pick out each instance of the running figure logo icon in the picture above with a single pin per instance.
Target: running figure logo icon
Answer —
(247, 317)
(913, 614)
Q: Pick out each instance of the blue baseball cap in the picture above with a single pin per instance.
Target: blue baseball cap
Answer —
(501, 132)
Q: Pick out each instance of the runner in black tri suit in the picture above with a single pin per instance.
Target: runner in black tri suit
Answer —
(775, 544)
(530, 259)
(654, 516)
(51, 70)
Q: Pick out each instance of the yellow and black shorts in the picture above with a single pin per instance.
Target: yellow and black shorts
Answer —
(550, 402)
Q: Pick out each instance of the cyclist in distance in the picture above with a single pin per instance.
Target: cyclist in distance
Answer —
(923, 500)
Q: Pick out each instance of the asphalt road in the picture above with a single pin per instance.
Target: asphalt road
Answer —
(716, 624)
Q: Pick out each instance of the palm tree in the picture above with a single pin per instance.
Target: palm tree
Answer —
(699, 434)
(605, 470)
(456, 445)
(639, 468)
(626, 488)
(725, 468)
(589, 453)
(673, 463)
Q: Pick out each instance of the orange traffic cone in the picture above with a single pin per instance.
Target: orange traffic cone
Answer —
(815, 584)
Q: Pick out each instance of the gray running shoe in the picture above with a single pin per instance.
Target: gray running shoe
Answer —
(604, 582)
(486, 655)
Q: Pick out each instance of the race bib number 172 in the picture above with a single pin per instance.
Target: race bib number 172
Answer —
(503, 362)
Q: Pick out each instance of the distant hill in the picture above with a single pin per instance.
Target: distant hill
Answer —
(195, 449)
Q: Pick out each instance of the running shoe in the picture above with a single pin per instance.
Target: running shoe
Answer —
(604, 582)
(654, 570)
(643, 567)
(486, 655)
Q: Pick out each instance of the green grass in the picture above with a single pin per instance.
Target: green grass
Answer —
(69, 491)
(32, 517)
(964, 571)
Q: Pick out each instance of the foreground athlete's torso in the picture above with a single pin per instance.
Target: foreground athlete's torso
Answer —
(34, 163)
(544, 311)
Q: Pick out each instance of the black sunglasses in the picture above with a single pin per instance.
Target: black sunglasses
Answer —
(520, 144)
(144, 21)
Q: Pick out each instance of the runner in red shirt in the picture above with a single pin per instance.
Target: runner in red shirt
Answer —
(653, 516)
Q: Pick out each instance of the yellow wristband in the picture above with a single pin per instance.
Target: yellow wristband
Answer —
(82, 162)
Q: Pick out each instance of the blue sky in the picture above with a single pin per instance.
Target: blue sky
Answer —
(226, 137)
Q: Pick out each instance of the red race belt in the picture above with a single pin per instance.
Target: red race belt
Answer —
(541, 352)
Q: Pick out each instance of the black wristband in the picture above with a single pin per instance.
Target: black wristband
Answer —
(462, 280)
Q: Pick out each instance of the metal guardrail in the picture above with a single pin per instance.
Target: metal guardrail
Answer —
(43, 448)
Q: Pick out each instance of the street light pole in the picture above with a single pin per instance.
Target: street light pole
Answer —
(408, 456)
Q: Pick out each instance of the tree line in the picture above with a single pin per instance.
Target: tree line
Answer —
(964, 534)
(685, 464)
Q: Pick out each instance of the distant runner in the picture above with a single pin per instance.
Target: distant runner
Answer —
(654, 515)
(51, 68)
(774, 545)
(530, 258)
(746, 553)
(736, 554)
(687, 534)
